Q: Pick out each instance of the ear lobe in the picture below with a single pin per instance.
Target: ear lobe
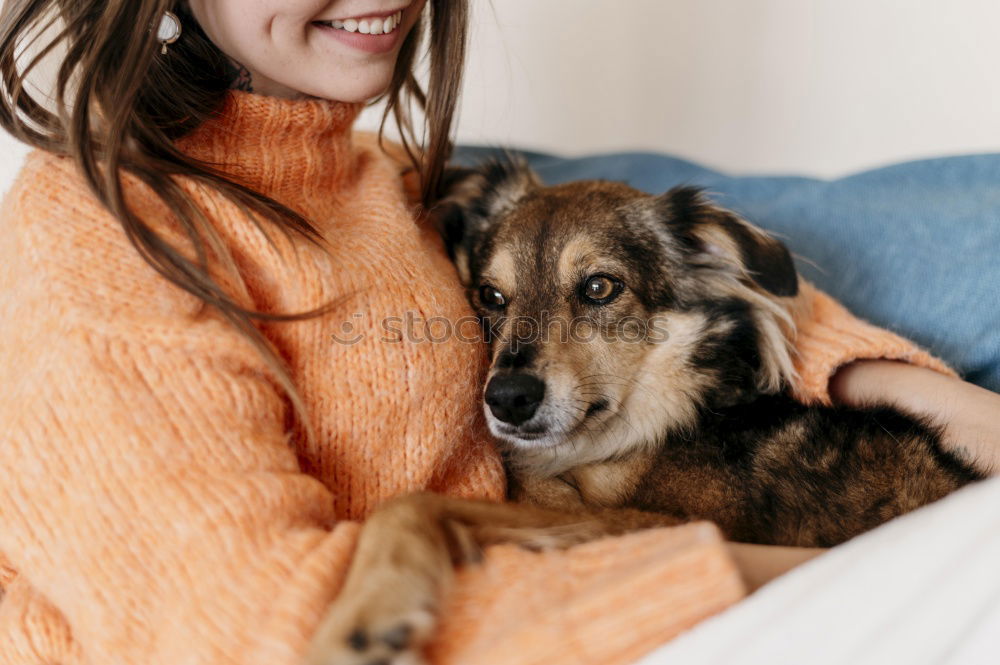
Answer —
(474, 199)
(710, 231)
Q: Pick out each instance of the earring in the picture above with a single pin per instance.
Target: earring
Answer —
(169, 30)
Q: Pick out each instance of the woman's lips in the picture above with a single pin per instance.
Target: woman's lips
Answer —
(372, 34)
(366, 43)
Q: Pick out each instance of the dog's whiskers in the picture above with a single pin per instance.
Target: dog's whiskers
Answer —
(620, 412)
(654, 395)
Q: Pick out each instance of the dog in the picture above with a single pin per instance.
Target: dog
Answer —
(686, 413)
(641, 355)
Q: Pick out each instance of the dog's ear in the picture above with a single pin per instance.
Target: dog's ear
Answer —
(473, 200)
(714, 237)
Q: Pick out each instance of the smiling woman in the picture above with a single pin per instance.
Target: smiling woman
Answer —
(341, 50)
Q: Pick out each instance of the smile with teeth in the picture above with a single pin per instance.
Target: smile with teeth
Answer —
(368, 26)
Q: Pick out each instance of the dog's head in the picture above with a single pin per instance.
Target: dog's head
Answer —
(613, 316)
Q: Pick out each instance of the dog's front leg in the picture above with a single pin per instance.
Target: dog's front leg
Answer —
(404, 562)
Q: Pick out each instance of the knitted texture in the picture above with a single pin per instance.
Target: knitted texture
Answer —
(155, 509)
(828, 337)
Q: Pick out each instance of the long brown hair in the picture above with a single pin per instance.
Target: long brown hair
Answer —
(120, 105)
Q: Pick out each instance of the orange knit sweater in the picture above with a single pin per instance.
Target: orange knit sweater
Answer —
(153, 508)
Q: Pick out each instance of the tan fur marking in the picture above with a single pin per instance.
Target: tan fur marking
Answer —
(462, 266)
(610, 484)
(579, 252)
(501, 271)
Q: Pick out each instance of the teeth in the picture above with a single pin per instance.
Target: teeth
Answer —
(369, 26)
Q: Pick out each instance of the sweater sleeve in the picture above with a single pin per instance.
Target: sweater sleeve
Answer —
(603, 603)
(829, 337)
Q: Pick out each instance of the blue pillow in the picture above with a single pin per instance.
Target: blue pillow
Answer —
(913, 247)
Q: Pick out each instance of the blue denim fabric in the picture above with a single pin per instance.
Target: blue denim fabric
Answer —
(913, 247)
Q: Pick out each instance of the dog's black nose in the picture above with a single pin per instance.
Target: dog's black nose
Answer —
(514, 398)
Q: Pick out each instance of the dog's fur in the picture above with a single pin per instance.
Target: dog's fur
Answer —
(689, 419)
(663, 403)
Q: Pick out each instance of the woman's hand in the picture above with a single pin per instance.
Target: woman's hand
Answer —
(759, 564)
(968, 414)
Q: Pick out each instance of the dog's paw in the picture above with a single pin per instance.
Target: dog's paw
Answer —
(382, 629)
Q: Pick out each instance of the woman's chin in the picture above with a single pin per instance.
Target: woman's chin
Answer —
(353, 92)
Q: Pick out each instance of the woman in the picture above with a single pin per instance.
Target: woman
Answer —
(191, 443)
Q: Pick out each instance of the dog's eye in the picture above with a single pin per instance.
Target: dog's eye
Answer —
(491, 298)
(601, 289)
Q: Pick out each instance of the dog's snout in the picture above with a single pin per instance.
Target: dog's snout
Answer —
(514, 398)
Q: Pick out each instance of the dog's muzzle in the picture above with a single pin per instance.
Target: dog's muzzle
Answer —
(514, 398)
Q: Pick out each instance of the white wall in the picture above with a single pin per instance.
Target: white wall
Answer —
(819, 86)
(815, 86)
(11, 155)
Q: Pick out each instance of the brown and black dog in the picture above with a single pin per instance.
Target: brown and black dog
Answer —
(641, 355)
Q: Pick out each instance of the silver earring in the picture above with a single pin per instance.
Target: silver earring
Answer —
(169, 30)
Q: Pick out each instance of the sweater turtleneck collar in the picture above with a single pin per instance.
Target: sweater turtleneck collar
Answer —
(294, 151)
